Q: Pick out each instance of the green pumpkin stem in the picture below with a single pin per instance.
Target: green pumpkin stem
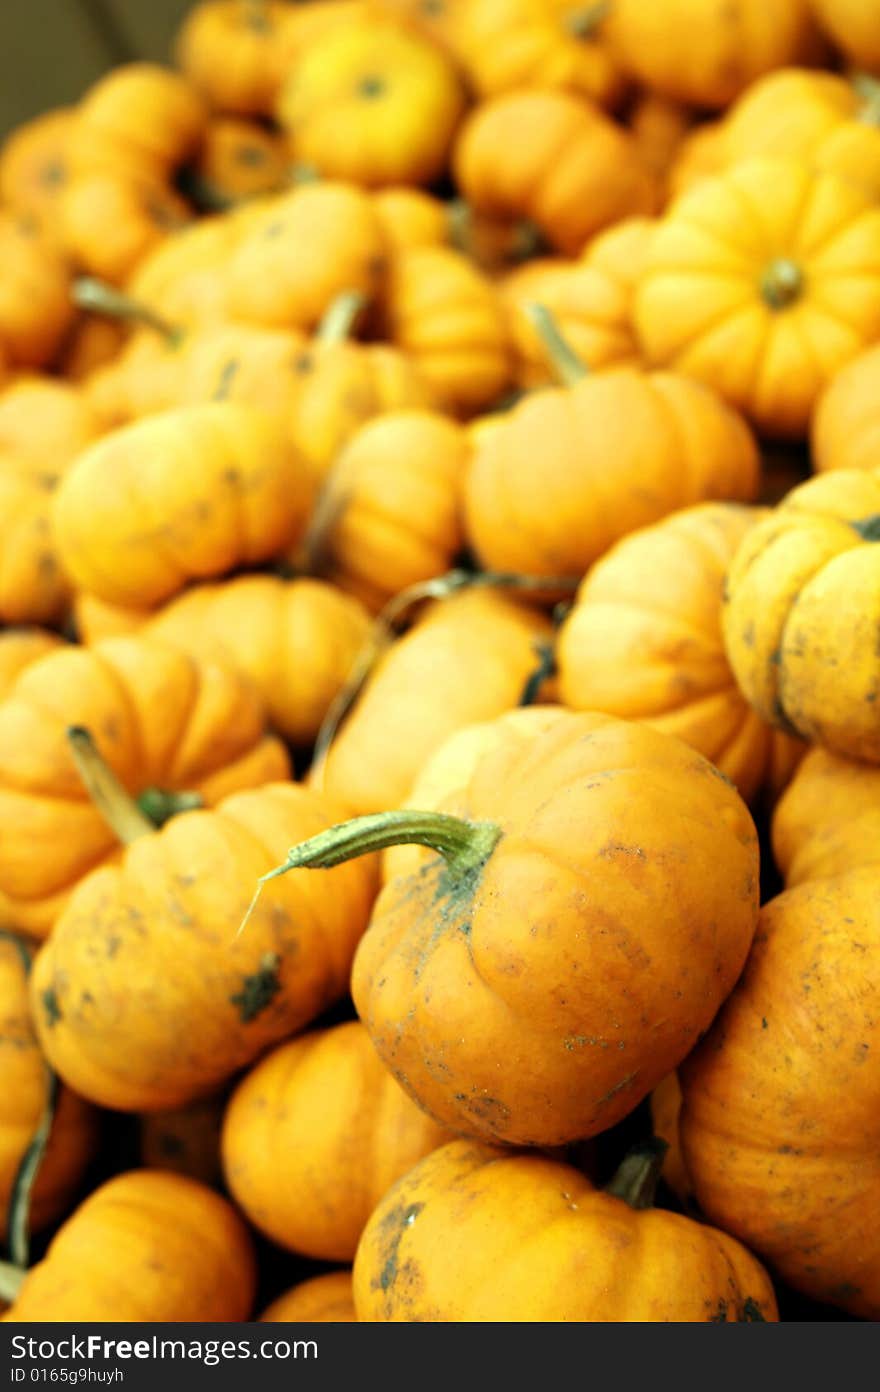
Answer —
(569, 368)
(115, 804)
(19, 1210)
(544, 669)
(782, 283)
(339, 318)
(160, 806)
(638, 1174)
(87, 292)
(11, 1280)
(465, 846)
(868, 89)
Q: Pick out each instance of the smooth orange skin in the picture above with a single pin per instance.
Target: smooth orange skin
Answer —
(36, 310)
(553, 159)
(446, 315)
(540, 497)
(235, 54)
(411, 218)
(705, 52)
(241, 159)
(219, 484)
(779, 1122)
(325, 1112)
(466, 659)
(110, 222)
(394, 505)
(307, 247)
(185, 1140)
(152, 940)
(793, 577)
(372, 102)
(665, 1104)
(854, 26)
(700, 155)
(140, 120)
(74, 1135)
(184, 279)
(828, 819)
(659, 127)
(536, 1002)
(643, 641)
(93, 343)
(144, 1247)
(160, 719)
(507, 44)
(473, 1234)
(34, 166)
(294, 640)
(700, 307)
(19, 647)
(439, 22)
(326, 1299)
(845, 429)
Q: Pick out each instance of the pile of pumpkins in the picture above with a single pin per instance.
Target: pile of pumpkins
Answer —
(440, 669)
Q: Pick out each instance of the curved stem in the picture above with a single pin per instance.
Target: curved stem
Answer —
(160, 806)
(11, 1280)
(569, 368)
(339, 318)
(638, 1174)
(19, 1210)
(87, 292)
(546, 667)
(112, 800)
(782, 283)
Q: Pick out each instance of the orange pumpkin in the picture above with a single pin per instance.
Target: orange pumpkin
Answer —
(853, 26)
(304, 250)
(705, 52)
(321, 1107)
(151, 940)
(185, 1140)
(762, 283)
(447, 317)
(19, 647)
(235, 53)
(700, 155)
(779, 1120)
(411, 218)
(73, 1135)
(473, 1234)
(219, 484)
(845, 429)
(660, 127)
(506, 44)
(643, 641)
(466, 659)
(438, 20)
(166, 724)
(239, 159)
(390, 511)
(34, 166)
(140, 121)
(36, 311)
(320, 1300)
(827, 820)
(554, 160)
(144, 1247)
(560, 518)
(372, 102)
(497, 951)
(110, 222)
(93, 343)
(666, 1122)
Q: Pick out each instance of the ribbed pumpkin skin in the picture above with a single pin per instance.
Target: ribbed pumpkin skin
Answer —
(153, 940)
(235, 55)
(33, 165)
(74, 1135)
(644, 642)
(19, 647)
(323, 1110)
(36, 310)
(466, 659)
(145, 1246)
(568, 953)
(845, 430)
(473, 1234)
(218, 484)
(827, 821)
(854, 26)
(779, 1123)
(323, 1299)
(160, 719)
(799, 628)
(673, 444)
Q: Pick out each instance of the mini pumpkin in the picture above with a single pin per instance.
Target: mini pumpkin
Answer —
(322, 1107)
(853, 26)
(238, 159)
(110, 222)
(235, 53)
(762, 283)
(795, 575)
(643, 641)
(140, 121)
(372, 102)
(218, 485)
(826, 822)
(554, 160)
(411, 217)
(36, 311)
(496, 950)
(19, 647)
(167, 725)
(144, 1247)
(659, 127)
(323, 1299)
(474, 1234)
(151, 940)
(779, 1118)
(845, 428)
(34, 166)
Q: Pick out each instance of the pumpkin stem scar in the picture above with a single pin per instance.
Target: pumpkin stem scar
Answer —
(638, 1174)
(868, 88)
(569, 368)
(583, 23)
(115, 804)
(782, 282)
(371, 86)
(338, 320)
(11, 1280)
(160, 806)
(868, 528)
(87, 292)
(256, 15)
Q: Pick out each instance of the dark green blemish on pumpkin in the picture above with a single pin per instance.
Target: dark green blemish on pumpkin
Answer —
(868, 528)
(371, 87)
(395, 1224)
(51, 1007)
(258, 990)
(751, 1313)
(227, 377)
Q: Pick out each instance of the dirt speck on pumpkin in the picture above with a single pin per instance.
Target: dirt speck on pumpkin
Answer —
(258, 990)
